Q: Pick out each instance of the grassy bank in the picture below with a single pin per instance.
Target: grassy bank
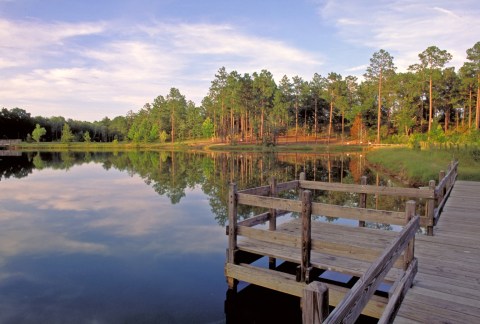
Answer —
(314, 148)
(81, 146)
(420, 166)
(181, 146)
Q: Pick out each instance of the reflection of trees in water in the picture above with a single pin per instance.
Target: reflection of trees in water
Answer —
(15, 166)
(170, 174)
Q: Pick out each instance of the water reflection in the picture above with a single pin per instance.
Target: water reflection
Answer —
(97, 245)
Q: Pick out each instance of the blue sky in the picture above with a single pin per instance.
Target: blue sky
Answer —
(89, 59)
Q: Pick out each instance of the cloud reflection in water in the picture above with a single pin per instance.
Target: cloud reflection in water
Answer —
(105, 247)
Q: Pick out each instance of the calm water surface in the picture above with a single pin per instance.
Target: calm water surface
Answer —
(132, 237)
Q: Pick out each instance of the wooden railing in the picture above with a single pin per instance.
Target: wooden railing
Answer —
(435, 196)
(298, 247)
(355, 300)
(315, 298)
(444, 187)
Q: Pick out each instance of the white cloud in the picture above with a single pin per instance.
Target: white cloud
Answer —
(89, 70)
(406, 28)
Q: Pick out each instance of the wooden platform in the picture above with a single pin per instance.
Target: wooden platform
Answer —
(447, 286)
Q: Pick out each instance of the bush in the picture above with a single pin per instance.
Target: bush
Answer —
(415, 140)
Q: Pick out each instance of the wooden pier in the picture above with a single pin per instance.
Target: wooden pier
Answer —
(446, 288)
(441, 269)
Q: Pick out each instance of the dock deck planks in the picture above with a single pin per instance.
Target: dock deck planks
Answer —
(447, 286)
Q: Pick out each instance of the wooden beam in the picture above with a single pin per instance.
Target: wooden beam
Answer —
(232, 222)
(430, 210)
(409, 251)
(315, 305)
(351, 306)
(286, 283)
(397, 294)
(270, 202)
(289, 185)
(362, 199)
(306, 234)
(261, 191)
(367, 189)
(364, 214)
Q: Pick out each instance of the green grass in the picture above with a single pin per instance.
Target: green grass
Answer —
(420, 166)
(190, 145)
(314, 148)
(82, 146)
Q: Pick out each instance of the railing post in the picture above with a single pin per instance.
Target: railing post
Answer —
(273, 218)
(430, 210)
(441, 176)
(315, 303)
(363, 199)
(303, 273)
(301, 178)
(409, 251)
(232, 229)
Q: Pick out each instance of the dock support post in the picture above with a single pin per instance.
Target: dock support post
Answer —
(315, 303)
(273, 218)
(304, 275)
(363, 199)
(410, 250)
(232, 230)
(430, 210)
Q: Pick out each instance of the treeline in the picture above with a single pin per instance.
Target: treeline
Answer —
(430, 98)
(18, 123)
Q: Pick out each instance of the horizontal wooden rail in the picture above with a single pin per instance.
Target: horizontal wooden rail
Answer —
(317, 245)
(444, 187)
(265, 190)
(286, 283)
(367, 189)
(363, 214)
(269, 202)
(260, 218)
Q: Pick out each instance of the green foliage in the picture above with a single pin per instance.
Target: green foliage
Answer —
(38, 132)
(86, 137)
(249, 107)
(67, 135)
(414, 141)
(420, 166)
(207, 128)
(163, 136)
(437, 135)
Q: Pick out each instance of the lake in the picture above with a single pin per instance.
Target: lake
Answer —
(139, 237)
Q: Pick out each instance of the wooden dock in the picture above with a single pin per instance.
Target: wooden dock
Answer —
(429, 279)
(446, 288)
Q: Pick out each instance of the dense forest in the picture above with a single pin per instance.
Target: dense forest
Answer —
(430, 99)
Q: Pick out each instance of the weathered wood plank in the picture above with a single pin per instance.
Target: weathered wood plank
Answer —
(306, 234)
(447, 285)
(324, 261)
(351, 306)
(398, 293)
(372, 215)
(261, 191)
(286, 283)
(367, 189)
(289, 185)
(232, 222)
(315, 303)
(270, 202)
